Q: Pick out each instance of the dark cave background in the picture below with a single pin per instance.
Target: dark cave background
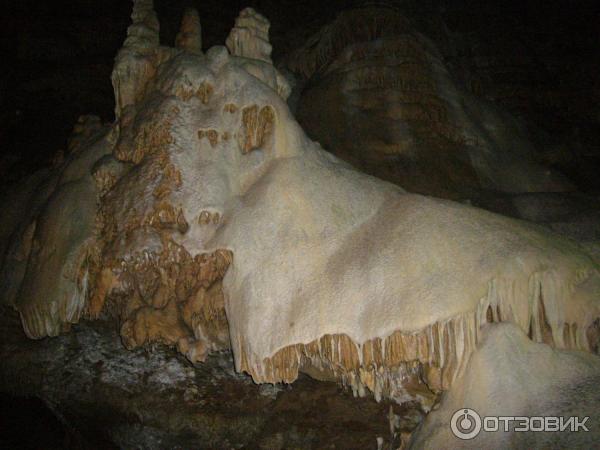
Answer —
(538, 59)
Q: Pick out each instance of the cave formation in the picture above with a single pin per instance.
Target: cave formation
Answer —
(380, 95)
(204, 219)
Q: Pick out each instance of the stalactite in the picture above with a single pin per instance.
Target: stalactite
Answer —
(417, 365)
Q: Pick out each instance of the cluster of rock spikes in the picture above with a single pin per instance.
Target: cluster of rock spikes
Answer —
(203, 218)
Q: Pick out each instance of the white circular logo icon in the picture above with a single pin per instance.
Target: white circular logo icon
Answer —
(465, 424)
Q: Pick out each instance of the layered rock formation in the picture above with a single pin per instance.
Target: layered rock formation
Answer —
(205, 219)
(377, 93)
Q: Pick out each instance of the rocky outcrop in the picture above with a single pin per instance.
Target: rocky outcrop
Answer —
(378, 94)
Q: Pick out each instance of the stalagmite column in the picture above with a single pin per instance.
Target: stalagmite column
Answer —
(133, 65)
(250, 36)
(190, 34)
(249, 40)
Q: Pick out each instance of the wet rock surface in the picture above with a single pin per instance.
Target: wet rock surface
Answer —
(108, 397)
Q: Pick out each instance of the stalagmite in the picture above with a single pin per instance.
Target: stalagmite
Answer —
(189, 37)
(249, 39)
(204, 219)
(250, 36)
(134, 64)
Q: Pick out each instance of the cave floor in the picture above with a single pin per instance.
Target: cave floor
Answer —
(104, 396)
